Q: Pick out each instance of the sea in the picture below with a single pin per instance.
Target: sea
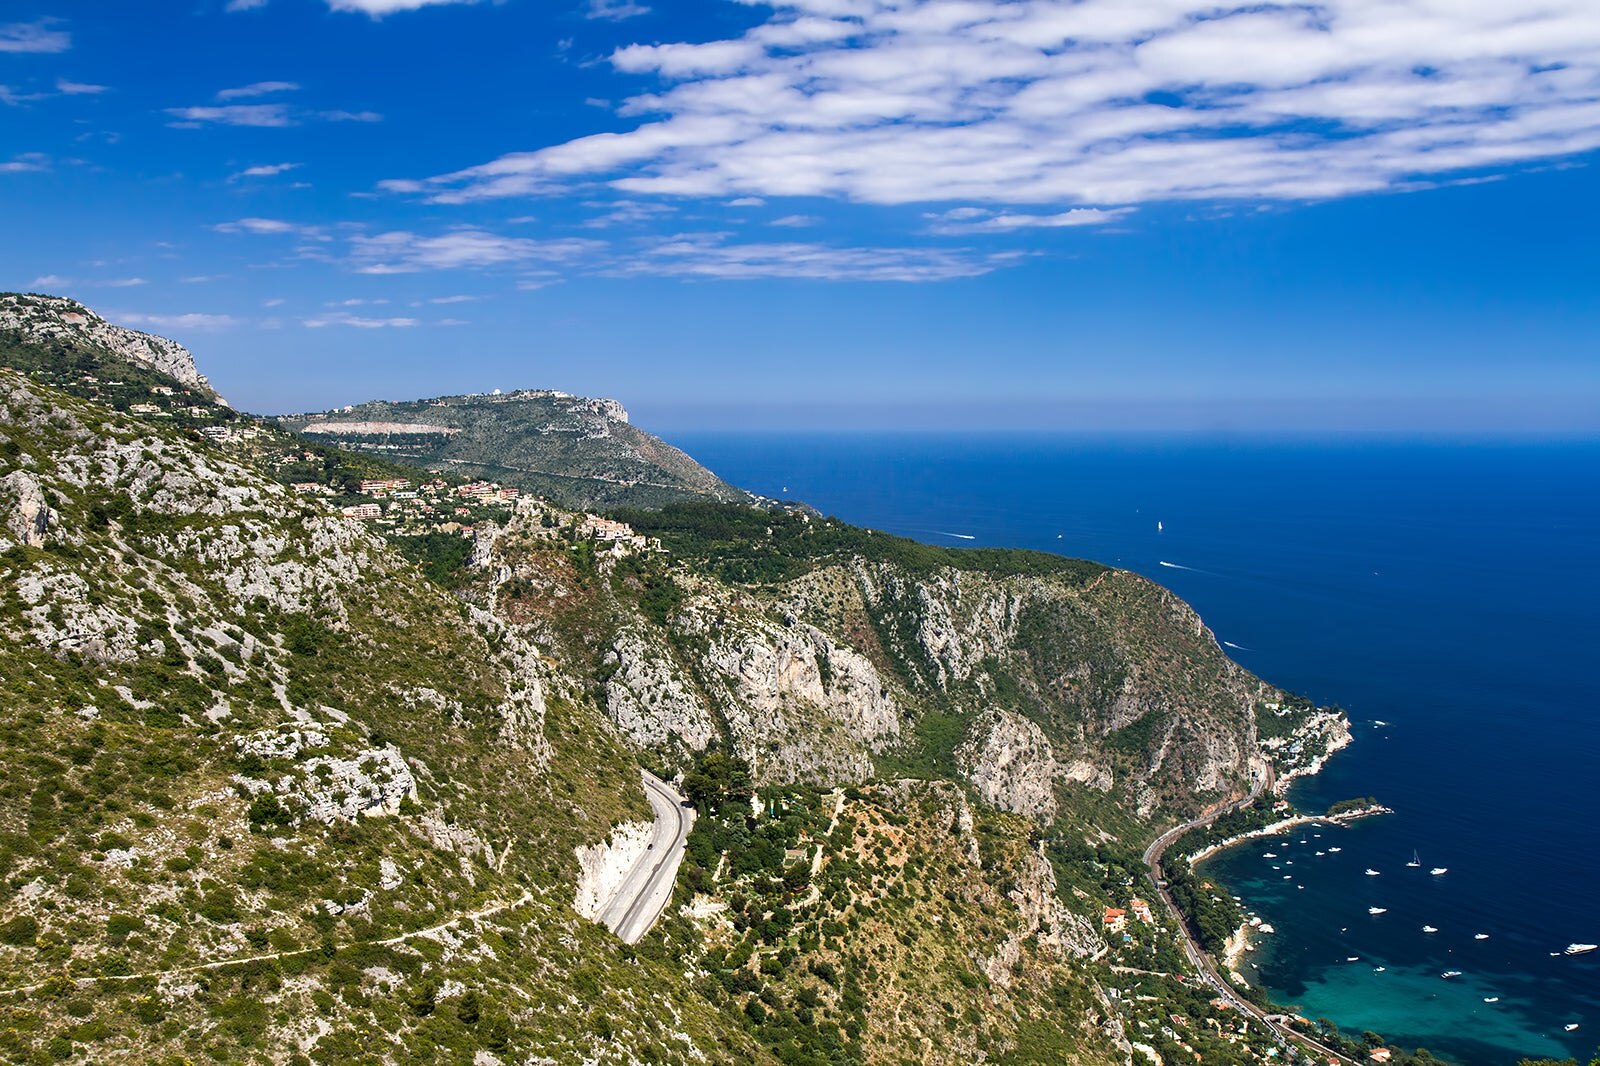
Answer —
(1445, 593)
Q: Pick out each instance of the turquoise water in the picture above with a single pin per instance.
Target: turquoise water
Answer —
(1451, 591)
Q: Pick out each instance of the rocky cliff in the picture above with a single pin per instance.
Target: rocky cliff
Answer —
(56, 320)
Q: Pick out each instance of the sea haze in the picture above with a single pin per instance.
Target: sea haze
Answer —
(1450, 591)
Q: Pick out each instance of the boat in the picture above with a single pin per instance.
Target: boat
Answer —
(1570, 1026)
(1332, 850)
(1480, 936)
(1371, 872)
(1429, 929)
(1416, 860)
(1352, 958)
(1450, 973)
(1321, 853)
(1159, 526)
(1269, 855)
(1578, 949)
(1491, 999)
(1437, 870)
(1379, 969)
(1377, 910)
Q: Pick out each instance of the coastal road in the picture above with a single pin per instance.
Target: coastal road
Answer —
(1191, 947)
(644, 892)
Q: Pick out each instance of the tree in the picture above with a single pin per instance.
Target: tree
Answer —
(716, 776)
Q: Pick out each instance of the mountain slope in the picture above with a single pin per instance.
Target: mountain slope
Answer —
(240, 726)
(56, 322)
(580, 452)
(272, 795)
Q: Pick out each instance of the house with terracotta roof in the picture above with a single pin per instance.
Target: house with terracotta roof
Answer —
(1141, 910)
(1116, 919)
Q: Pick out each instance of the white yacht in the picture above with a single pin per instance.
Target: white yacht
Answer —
(1371, 872)
(1377, 910)
(1579, 949)
(1437, 870)
(1429, 929)
(1416, 860)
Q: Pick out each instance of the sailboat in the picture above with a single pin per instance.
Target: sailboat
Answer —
(1416, 860)
(1159, 526)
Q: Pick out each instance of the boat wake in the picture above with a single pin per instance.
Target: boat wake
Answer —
(1235, 647)
(958, 536)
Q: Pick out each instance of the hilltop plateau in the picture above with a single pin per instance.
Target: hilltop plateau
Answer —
(581, 452)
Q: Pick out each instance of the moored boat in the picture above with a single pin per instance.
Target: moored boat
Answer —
(1579, 949)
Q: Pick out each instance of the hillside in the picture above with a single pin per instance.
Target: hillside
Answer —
(61, 326)
(275, 795)
(582, 453)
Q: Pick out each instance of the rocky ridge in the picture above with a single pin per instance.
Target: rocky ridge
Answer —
(56, 319)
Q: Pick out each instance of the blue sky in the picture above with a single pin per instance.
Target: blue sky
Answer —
(1370, 215)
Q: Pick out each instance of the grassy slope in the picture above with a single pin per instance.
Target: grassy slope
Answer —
(127, 848)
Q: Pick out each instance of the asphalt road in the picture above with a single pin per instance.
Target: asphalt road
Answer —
(644, 892)
(1196, 954)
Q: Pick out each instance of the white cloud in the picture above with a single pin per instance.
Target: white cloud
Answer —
(266, 170)
(36, 36)
(264, 115)
(796, 221)
(350, 116)
(1094, 104)
(122, 283)
(343, 318)
(26, 163)
(454, 299)
(709, 256)
(191, 320)
(402, 252)
(49, 281)
(267, 227)
(615, 10)
(379, 8)
(259, 88)
(978, 220)
(243, 5)
(79, 88)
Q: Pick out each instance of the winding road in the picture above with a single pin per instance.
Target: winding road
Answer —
(1191, 947)
(644, 892)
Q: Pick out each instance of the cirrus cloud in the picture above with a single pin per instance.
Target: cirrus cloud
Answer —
(39, 36)
(1099, 103)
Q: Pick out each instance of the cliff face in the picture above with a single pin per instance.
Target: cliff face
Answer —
(1039, 689)
(51, 319)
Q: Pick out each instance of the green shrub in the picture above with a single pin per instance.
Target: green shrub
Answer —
(21, 931)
